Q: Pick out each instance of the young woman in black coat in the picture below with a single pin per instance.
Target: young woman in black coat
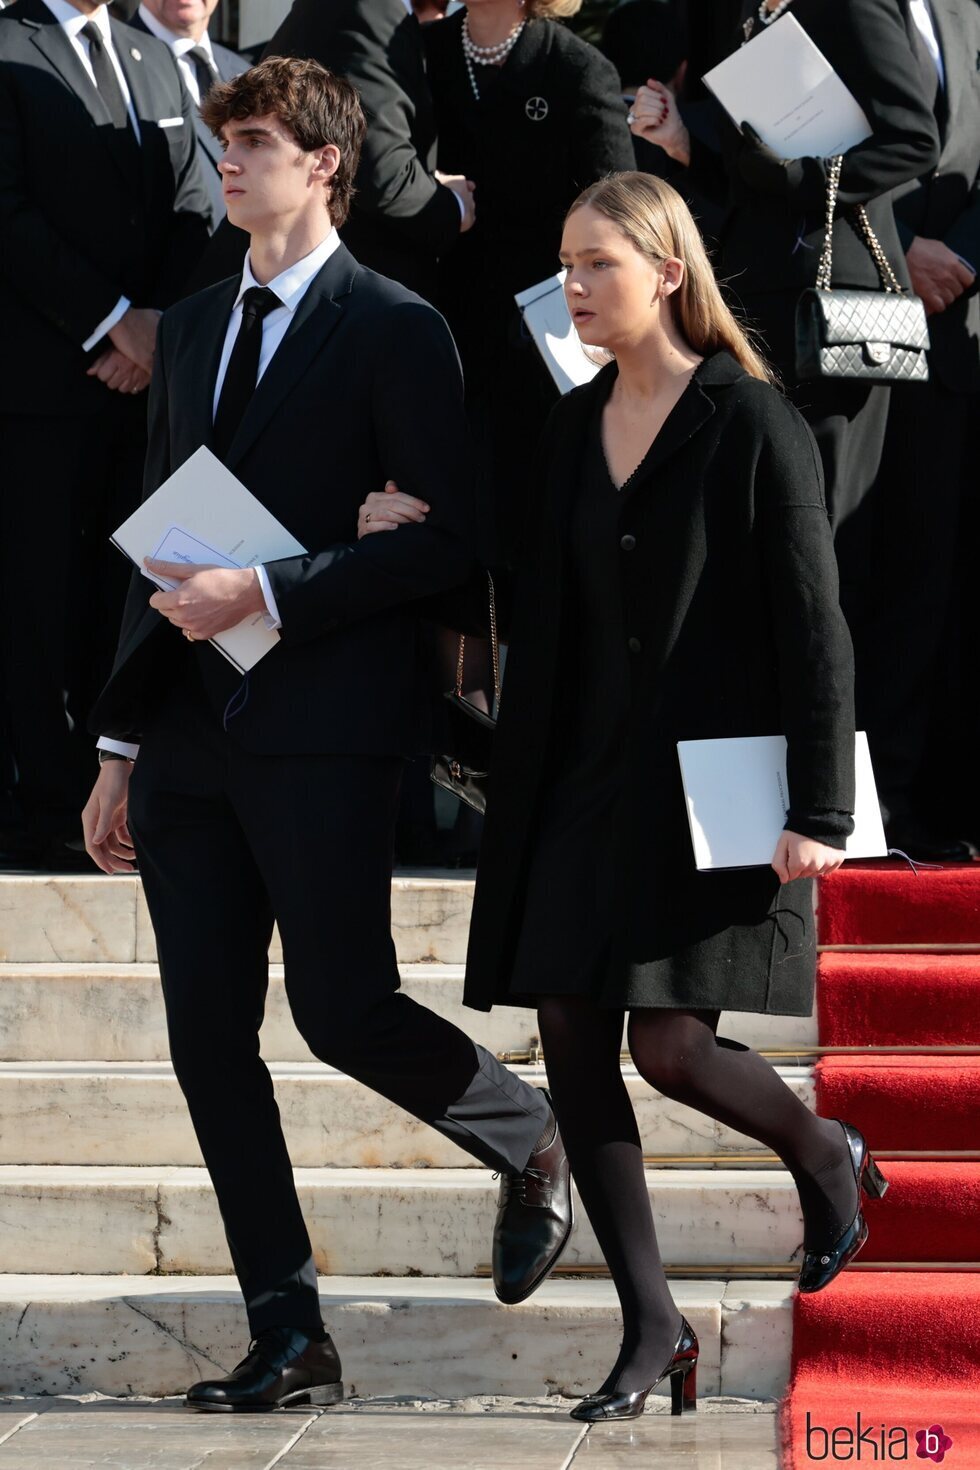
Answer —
(532, 114)
(679, 582)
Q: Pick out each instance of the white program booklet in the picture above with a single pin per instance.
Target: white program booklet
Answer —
(204, 516)
(783, 85)
(545, 313)
(737, 799)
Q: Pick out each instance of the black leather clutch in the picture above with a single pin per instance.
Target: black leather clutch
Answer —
(464, 769)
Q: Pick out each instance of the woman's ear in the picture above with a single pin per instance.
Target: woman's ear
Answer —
(672, 277)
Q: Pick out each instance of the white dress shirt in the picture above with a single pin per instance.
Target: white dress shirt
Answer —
(72, 22)
(180, 46)
(926, 27)
(291, 285)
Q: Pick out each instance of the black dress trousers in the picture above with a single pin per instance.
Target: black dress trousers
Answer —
(229, 842)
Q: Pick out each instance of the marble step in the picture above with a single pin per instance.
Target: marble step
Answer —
(77, 1011)
(437, 1338)
(365, 1222)
(92, 1113)
(101, 919)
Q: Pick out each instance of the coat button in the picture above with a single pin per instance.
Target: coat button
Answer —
(634, 645)
(628, 543)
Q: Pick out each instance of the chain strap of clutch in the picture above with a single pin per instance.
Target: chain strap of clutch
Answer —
(494, 649)
(888, 278)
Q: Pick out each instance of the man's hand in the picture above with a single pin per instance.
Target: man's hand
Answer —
(119, 373)
(656, 118)
(388, 511)
(135, 335)
(207, 600)
(107, 839)
(804, 857)
(939, 277)
(464, 189)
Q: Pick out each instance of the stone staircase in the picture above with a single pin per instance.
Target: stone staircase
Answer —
(114, 1272)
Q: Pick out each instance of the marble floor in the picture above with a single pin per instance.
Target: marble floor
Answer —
(95, 1433)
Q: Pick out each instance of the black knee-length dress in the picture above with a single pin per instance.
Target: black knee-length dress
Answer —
(567, 921)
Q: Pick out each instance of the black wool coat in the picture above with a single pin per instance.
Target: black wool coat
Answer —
(729, 587)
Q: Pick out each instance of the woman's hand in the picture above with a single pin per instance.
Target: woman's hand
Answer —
(388, 511)
(657, 119)
(804, 857)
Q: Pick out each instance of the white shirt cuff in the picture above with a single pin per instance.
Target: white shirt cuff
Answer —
(120, 747)
(459, 200)
(116, 315)
(272, 618)
(963, 261)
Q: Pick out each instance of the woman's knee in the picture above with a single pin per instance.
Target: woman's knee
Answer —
(670, 1050)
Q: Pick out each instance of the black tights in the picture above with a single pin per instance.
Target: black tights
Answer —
(678, 1053)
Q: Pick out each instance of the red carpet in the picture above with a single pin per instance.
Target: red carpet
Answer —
(902, 1349)
(899, 1000)
(886, 903)
(890, 1360)
(910, 1103)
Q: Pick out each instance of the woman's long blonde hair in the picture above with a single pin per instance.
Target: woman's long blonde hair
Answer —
(655, 219)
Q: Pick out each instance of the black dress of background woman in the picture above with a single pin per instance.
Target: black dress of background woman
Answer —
(549, 121)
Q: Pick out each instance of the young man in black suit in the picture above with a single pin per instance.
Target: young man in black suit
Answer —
(313, 380)
(183, 26)
(103, 212)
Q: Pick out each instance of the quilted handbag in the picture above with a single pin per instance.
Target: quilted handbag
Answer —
(465, 769)
(880, 336)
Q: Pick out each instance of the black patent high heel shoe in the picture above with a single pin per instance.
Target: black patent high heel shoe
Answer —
(596, 1407)
(820, 1267)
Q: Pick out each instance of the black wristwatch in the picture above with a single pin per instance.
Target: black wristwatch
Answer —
(113, 755)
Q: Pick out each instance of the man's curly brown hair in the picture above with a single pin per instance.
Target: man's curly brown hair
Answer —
(317, 108)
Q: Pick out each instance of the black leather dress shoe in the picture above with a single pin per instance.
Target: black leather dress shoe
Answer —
(534, 1221)
(283, 1366)
(821, 1266)
(596, 1408)
(923, 845)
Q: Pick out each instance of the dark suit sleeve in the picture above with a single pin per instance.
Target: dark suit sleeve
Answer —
(813, 645)
(429, 455)
(60, 283)
(191, 216)
(393, 182)
(964, 235)
(874, 58)
(602, 141)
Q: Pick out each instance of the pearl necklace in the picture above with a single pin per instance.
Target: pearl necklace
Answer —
(766, 16)
(486, 55)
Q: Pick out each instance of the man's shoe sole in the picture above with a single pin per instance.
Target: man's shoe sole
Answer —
(321, 1396)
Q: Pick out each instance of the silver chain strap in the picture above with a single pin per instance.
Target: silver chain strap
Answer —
(494, 650)
(888, 278)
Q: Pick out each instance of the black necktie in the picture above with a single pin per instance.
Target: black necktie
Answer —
(243, 367)
(106, 81)
(203, 68)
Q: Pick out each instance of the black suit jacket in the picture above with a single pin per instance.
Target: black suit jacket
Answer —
(345, 403)
(229, 65)
(770, 243)
(78, 226)
(401, 220)
(944, 203)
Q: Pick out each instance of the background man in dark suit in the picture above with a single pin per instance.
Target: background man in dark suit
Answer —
(183, 26)
(930, 450)
(102, 213)
(276, 800)
(404, 214)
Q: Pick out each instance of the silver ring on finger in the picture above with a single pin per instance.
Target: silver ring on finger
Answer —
(367, 517)
(631, 116)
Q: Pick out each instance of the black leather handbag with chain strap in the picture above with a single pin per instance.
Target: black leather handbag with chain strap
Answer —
(880, 336)
(464, 771)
